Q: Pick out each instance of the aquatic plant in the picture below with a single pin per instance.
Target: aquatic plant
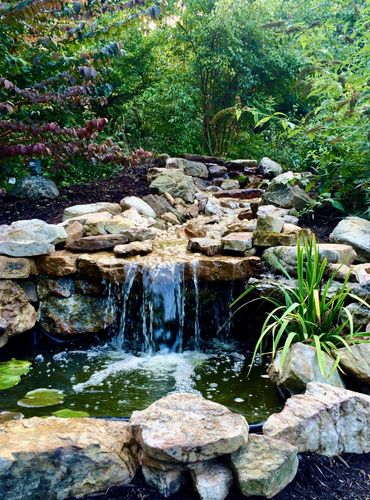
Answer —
(309, 311)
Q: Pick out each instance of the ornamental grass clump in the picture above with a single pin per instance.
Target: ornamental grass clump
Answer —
(307, 311)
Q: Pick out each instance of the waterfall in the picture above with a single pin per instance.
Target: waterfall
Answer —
(130, 275)
(194, 268)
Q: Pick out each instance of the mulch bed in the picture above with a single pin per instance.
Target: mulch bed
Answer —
(130, 182)
(318, 478)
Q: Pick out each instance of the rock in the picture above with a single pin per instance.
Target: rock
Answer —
(64, 457)
(140, 205)
(325, 419)
(25, 248)
(228, 184)
(354, 231)
(171, 200)
(205, 246)
(277, 212)
(60, 263)
(183, 427)
(170, 218)
(360, 315)
(242, 194)
(269, 168)
(33, 230)
(176, 183)
(246, 214)
(212, 479)
(196, 169)
(264, 466)
(88, 219)
(268, 239)
(245, 226)
(237, 242)
(161, 159)
(217, 170)
(172, 163)
(134, 248)
(213, 207)
(192, 211)
(241, 164)
(166, 482)
(74, 315)
(3, 336)
(195, 229)
(97, 243)
(29, 288)
(300, 367)
(16, 268)
(285, 194)
(356, 362)
(270, 223)
(287, 255)
(91, 208)
(35, 187)
(18, 314)
(75, 231)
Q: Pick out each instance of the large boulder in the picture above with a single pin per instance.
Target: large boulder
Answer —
(325, 419)
(35, 187)
(300, 367)
(62, 458)
(15, 310)
(183, 427)
(264, 466)
(287, 255)
(356, 232)
(269, 168)
(285, 192)
(176, 183)
(91, 208)
(356, 361)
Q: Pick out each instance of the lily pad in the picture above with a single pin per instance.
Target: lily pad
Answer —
(11, 371)
(67, 413)
(5, 416)
(42, 397)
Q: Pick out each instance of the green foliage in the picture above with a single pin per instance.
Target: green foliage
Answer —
(309, 313)
(11, 372)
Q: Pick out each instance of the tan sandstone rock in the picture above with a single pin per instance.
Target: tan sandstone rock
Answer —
(61, 458)
(16, 267)
(18, 314)
(60, 263)
(183, 427)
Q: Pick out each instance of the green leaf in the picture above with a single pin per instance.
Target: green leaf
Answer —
(67, 413)
(11, 371)
(42, 397)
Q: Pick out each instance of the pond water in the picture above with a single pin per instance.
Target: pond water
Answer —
(108, 382)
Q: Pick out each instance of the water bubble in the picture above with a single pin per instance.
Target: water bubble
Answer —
(239, 400)
(39, 358)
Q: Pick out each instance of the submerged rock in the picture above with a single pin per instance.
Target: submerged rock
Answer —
(182, 427)
(64, 457)
(354, 231)
(264, 466)
(325, 419)
(300, 367)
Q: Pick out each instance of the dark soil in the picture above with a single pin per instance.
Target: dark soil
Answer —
(322, 222)
(130, 182)
(318, 478)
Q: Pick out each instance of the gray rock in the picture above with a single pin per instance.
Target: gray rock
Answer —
(356, 232)
(97, 243)
(140, 205)
(230, 184)
(213, 207)
(360, 315)
(356, 361)
(325, 419)
(134, 248)
(166, 482)
(182, 427)
(217, 170)
(176, 183)
(237, 242)
(285, 193)
(264, 466)
(25, 248)
(196, 169)
(212, 479)
(64, 458)
(241, 164)
(35, 187)
(269, 168)
(91, 208)
(270, 223)
(205, 246)
(300, 368)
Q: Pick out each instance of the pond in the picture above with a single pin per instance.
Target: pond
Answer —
(103, 381)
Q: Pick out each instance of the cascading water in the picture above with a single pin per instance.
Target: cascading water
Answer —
(194, 267)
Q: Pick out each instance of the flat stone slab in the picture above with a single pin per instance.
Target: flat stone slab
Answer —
(183, 427)
(25, 248)
(326, 420)
(91, 208)
(242, 194)
(64, 457)
(97, 243)
(264, 466)
(237, 242)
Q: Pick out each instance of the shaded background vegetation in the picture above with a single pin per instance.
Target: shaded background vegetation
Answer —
(238, 78)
